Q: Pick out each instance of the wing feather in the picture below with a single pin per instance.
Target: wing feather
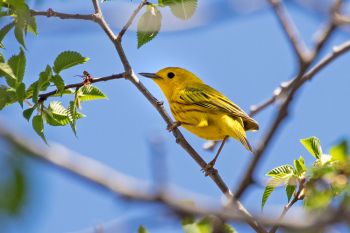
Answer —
(212, 100)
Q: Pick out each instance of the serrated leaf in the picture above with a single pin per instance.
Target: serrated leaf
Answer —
(313, 145)
(18, 65)
(289, 191)
(68, 59)
(72, 111)
(59, 83)
(148, 26)
(4, 31)
(340, 151)
(267, 192)
(65, 92)
(58, 115)
(21, 93)
(299, 166)
(281, 170)
(38, 125)
(89, 92)
(28, 112)
(183, 9)
(19, 34)
(142, 229)
(6, 71)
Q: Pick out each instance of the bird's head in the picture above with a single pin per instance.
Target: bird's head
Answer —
(171, 78)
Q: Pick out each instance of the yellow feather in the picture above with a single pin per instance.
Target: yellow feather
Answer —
(201, 109)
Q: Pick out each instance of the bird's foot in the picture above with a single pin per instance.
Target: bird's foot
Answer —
(173, 126)
(209, 169)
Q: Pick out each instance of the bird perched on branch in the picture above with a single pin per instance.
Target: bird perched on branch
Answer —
(201, 109)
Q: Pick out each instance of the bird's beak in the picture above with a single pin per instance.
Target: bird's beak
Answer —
(150, 75)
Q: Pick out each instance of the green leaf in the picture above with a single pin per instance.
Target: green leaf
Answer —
(299, 166)
(281, 171)
(28, 112)
(148, 25)
(18, 65)
(183, 9)
(202, 226)
(21, 93)
(19, 34)
(6, 71)
(38, 125)
(68, 59)
(142, 229)
(59, 83)
(72, 115)
(313, 145)
(3, 96)
(57, 115)
(340, 151)
(89, 92)
(4, 31)
(267, 192)
(289, 191)
(229, 229)
(35, 95)
(45, 78)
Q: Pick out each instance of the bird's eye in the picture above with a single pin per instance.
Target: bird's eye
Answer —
(171, 75)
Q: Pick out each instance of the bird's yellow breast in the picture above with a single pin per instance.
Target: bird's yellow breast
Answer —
(200, 121)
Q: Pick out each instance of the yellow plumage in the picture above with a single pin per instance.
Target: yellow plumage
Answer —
(201, 109)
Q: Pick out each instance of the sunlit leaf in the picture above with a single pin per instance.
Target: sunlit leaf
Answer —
(340, 151)
(289, 191)
(183, 9)
(72, 112)
(202, 226)
(281, 170)
(299, 166)
(89, 92)
(68, 59)
(313, 145)
(229, 229)
(148, 25)
(267, 192)
(6, 71)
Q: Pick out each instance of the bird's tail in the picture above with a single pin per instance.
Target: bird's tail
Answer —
(245, 143)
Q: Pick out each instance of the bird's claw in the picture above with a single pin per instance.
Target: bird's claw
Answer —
(160, 102)
(173, 126)
(209, 169)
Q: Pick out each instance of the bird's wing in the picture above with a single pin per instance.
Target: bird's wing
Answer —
(209, 98)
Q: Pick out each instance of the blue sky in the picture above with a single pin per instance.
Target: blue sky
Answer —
(245, 56)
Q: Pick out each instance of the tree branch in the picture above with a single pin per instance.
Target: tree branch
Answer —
(44, 96)
(130, 75)
(282, 113)
(292, 33)
(51, 13)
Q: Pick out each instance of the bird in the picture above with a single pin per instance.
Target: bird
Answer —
(201, 109)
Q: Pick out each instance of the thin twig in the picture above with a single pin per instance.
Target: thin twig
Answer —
(282, 113)
(51, 13)
(292, 33)
(80, 84)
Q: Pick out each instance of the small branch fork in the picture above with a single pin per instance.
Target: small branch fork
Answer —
(130, 75)
(287, 90)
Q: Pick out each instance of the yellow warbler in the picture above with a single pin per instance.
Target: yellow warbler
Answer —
(201, 109)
